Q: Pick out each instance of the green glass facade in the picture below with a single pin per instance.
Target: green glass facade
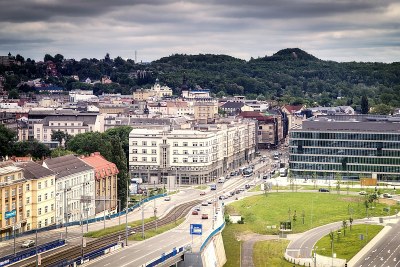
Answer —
(356, 154)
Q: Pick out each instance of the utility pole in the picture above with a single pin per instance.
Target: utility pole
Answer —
(142, 204)
(14, 236)
(66, 213)
(104, 213)
(126, 213)
(36, 244)
(155, 212)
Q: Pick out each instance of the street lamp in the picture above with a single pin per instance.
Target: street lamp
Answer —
(240, 251)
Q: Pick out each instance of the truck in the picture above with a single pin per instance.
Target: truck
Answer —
(221, 179)
(283, 172)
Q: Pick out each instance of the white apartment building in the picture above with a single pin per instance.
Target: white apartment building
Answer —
(188, 156)
(74, 181)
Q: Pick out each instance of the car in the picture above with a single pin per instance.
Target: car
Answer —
(323, 190)
(28, 243)
(167, 198)
(210, 201)
(204, 216)
(247, 186)
(205, 203)
(195, 212)
(221, 197)
(197, 208)
(387, 195)
(362, 193)
(265, 177)
(232, 174)
(202, 193)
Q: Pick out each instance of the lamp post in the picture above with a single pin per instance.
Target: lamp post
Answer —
(36, 244)
(240, 251)
(126, 212)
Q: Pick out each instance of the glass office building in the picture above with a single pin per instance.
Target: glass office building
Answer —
(356, 146)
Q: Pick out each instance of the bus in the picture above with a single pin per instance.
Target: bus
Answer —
(247, 172)
(283, 172)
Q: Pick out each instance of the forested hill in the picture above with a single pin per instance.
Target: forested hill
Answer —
(290, 75)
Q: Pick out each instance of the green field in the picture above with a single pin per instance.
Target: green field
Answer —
(305, 210)
(154, 232)
(346, 247)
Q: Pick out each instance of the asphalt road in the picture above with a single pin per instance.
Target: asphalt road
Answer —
(386, 252)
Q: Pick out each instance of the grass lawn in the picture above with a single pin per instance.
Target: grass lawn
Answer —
(201, 187)
(154, 232)
(113, 229)
(346, 247)
(318, 209)
(265, 253)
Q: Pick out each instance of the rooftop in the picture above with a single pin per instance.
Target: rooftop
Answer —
(66, 165)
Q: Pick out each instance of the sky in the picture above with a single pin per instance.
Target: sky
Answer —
(338, 30)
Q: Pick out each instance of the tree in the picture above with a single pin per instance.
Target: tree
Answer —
(7, 139)
(86, 143)
(33, 148)
(59, 152)
(13, 94)
(382, 109)
(58, 136)
(48, 57)
(120, 160)
(364, 105)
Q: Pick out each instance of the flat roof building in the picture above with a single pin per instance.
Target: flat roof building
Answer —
(347, 145)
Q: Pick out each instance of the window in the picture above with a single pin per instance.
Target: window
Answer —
(39, 198)
(134, 143)
(27, 200)
(52, 220)
(175, 160)
(134, 159)
(185, 160)
(28, 214)
(40, 224)
(13, 192)
(175, 152)
(40, 185)
(185, 143)
(51, 182)
(46, 209)
(52, 207)
(194, 160)
(28, 226)
(153, 143)
(194, 144)
(134, 151)
(175, 143)
(45, 196)
(45, 184)
(153, 159)
(153, 151)
(144, 143)
(185, 152)
(144, 151)
(40, 211)
(144, 159)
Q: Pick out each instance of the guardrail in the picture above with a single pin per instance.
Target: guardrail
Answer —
(10, 259)
(164, 257)
(83, 221)
(213, 233)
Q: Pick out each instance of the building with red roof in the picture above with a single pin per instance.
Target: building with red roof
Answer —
(105, 174)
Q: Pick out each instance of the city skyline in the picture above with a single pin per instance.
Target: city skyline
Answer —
(330, 30)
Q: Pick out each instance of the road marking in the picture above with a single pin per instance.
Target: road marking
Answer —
(374, 251)
(381, 258)
(389, 251)
(394, 259)
(106, 264)
(122, 257)
(367, 258)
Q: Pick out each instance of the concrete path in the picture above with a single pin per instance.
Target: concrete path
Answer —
(247, 246)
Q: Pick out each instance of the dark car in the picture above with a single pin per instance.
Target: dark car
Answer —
(204, 216)
(247, 186)
(323, 190)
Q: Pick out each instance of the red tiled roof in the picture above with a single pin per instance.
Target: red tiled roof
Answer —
(102, 167)
(293, 109)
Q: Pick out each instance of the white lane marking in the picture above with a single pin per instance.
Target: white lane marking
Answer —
(106, 264)
(389, 251)
(122, 257)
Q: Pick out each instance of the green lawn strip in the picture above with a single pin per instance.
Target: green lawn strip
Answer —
(256, 188)
(201, 187)
(117, 228)
(154, 232)
(346, 247)
(270, 253)
(318, 209)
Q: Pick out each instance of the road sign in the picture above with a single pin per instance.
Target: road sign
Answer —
(10, 214)
(196, 229)
(16, 226)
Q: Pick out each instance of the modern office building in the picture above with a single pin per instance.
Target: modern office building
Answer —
(363, 146)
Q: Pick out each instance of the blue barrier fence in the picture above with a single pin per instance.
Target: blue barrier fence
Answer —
(83, 221)
(211, 235)
(165, 257)
(30, 252)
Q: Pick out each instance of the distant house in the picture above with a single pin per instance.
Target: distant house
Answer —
(294, 115)
(232, 108)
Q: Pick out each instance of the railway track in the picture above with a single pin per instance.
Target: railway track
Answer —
(61, 257)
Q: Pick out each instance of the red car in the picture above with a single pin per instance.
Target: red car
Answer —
(195, 212)
(202, 193)
(204, 216)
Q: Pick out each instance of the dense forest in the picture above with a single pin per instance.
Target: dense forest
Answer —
(289, 76)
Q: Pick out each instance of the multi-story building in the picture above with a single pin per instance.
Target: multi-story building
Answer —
(12, 200)
(205, 112)
(39, 199)
(348, 145)
(75, 188)
(105, 174)
(157, 92)
(188, 156)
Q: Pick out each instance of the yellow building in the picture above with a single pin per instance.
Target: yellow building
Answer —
(11, 199)
(205, 112)
(39, 195)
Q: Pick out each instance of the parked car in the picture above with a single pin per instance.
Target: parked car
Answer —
(221, 197)
(210, 201)
(205, 203)
(28, 243)
(247, 186)
(387, 195)
(202, 193)
(323, 190)
(167, 198)
(195, 212)
(362, 193)
(204, 216)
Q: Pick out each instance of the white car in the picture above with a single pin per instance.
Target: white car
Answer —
(167, 198)
(28, 243)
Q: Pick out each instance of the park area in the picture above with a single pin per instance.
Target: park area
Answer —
(263, 213)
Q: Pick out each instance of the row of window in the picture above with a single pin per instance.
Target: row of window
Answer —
(346, 144)
(66, 124)
(346, 136)
(154, 143)
(345, 152)
(348, 160)
(41, 211)
(359, 168)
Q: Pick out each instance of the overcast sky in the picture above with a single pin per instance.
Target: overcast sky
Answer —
(339, 30)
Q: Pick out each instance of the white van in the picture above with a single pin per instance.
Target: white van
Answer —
(221, 179)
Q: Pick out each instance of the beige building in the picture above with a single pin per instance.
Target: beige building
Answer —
(189, 156)
(39, 199)
(12, 198)
(156, 92)
(205, 112)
